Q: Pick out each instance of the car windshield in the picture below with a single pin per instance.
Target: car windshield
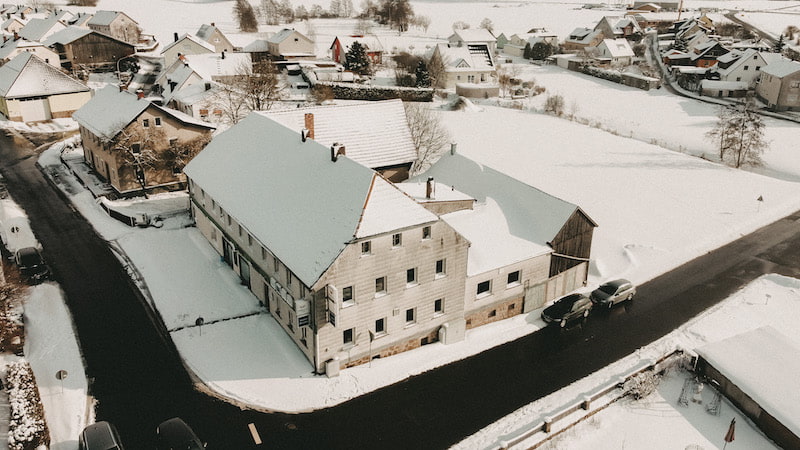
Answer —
(608, 288)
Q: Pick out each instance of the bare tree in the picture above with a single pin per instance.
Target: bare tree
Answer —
(245, 15)
(741, 134)
(136, 146)
(487, 24)
(427, 133)
(506, 77)
(259, 84)
(227, 99)
(178, 154)
(554, 104)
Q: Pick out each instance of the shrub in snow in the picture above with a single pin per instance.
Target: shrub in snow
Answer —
(641, 385)
(11, 328)
(349, 91)
(27, 429)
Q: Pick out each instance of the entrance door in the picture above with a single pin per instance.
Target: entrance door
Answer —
(244, 270)
(227, 252)
(534, 297)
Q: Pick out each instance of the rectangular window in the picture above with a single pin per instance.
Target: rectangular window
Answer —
(275, 262)
(366, 247)
(146, 123)
(380, 326)
(411, 276)
(347, 336)
(746, 67)
(410, 316)
(397, 240)
(347, 295)
(288, 279)
(158, 121)
(263, 253)
(441, 267)
(426, 232)
(438, 306)
(380, 286)
(484, 287)
(229, 220)
(240, 230)
(513, 278)
(249, 239)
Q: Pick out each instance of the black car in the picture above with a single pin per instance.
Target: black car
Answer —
(175, 434)
(565, 309)
(31, 264)
(612, 292)
(99, 436)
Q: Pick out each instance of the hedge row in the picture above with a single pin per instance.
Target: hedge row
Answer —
(348, 91)
(27, 429)
(610, 75)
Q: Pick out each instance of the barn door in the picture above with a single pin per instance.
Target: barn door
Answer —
(35, 110)
(534, 297)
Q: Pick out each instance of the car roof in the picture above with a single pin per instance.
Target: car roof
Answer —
(617, 283)
(176, 430)
(572, 298)
(101, 436)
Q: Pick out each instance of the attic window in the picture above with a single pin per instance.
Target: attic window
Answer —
(146, 123)
(158, 121)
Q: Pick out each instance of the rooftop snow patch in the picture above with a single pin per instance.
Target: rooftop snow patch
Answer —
(288, 193)
(388, 209)
(66, 36)
(374, 134)
(27, 75)
(764, 364)
(781, 69)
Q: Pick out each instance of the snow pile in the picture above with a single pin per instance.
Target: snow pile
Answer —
(27, 428)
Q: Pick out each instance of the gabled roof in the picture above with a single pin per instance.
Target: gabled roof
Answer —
(374, 134)
(196, 92)
(282, 35)
(369, 42)
(257, 46)
(781, 69)
(210, 65)
(192, 38)
(8, 47)
(206, 31)
(111, 110)
(526, 217)
(472, 35)
(308, 207)
(618, 48)
(71, 34)
(27, 75)
(11, 20)
(80, 19)
(36, 29)
(104, 18)
(475, 56)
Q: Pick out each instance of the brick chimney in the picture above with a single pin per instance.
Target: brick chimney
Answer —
(175, 35)
(213, 24)
(309, 125)
(429, 188)
(139, 94)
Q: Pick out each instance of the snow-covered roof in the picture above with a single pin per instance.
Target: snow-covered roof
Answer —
(618, 48)
(257, 46)
(8, 47)
(308, 207)
(724, 85)
(178, 73)
(206, 31)
(11, 20)
(369, 42)
(211, 65)
(196, 92)
(27, 75)
(781, 69)
(764, 364)
(280, 36)
(68, 35)
(192, 38)
(375, 134)
(36, 29)
(473, 56)
(441, 192)
(80, 19)
(104, 18)
(111, 110)
(472, 35)
(528, 217)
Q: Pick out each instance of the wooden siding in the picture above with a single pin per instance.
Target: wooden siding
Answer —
(574, 240)
(93, 49)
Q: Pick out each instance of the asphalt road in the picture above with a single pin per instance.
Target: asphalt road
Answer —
(139, 380)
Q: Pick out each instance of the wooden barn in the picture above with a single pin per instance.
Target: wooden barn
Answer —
(81, 47)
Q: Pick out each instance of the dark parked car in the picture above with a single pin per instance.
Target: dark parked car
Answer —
(175, 434)
(565, 309)
(99, 436)
(612, 292)
(31, 264)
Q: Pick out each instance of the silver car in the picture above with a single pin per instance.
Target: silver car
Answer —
(612, 292)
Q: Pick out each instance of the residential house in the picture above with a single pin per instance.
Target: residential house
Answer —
(80, 20)
(501, 41)
(117, 25)
(258, 51)
(349, 266)
(469, 63)
(33, 90)
(649, 7)
(518, 258)
(13, 24)
(518, 42)
(10, 48)
(81, 47)
(736, 66)
(289, 44)
(779, 86)
(187, 44)
(119, 128)
(620, 28)
(375, 134)
(188, 70)
(690, 26)
(372, 47)
(582, 38)
(664, 6)
(705, 55)
(202, 101)
(617, 52)
(211, 34)
(480, 36)
(38, 30)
